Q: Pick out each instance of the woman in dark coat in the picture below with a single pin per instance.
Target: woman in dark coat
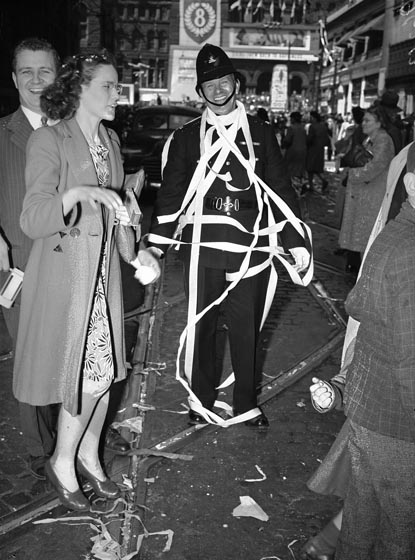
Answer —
(295, 145)
(70, 344)
(317, 139)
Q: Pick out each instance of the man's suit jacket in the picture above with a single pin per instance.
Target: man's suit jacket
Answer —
(15, 130)
(183, 157)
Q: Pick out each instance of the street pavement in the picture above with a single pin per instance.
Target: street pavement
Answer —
(193, 496)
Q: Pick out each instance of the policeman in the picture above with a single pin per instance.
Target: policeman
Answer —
(226, 201)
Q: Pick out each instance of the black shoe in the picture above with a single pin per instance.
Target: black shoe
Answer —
(102, 488)
(116, 443)
(37, 467)
(260, 421)
(72, 500)
(324, 186)
(196, 419)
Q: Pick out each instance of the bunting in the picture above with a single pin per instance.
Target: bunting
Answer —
(292, 10)
(259, 6)
(248, 12)
(324, 43)
(237, 5)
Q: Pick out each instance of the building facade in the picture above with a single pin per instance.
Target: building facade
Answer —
(274, 45)
(370, 42)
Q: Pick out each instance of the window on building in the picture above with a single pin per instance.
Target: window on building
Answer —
(152, 73)
(83, 24)
(163, 41)
(161, 74)
(151, 40)
(121, 12)
(165, 14)
(136, 39)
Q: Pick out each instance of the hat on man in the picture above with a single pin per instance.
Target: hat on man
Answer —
(212, 62)
(389, 99)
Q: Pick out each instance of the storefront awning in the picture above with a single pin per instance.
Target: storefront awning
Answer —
(373, 25)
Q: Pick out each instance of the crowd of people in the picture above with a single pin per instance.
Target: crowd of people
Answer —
(229, 202)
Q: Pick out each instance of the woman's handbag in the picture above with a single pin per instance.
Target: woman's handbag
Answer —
(126, 237)
(358, 156)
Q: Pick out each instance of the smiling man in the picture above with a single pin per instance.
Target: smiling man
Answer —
(34, 66)
(226, 193)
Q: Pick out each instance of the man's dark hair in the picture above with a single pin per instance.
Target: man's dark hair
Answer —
(35, 44)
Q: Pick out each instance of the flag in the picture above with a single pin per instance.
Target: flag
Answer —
(248, 12)
(292, 10)
(304, 9)
(283, 6)
(324, 43)
(237, 5)
(271, 9)
(259, 6)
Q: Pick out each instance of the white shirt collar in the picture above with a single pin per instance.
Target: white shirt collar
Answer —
(35, 119)
(32, 117)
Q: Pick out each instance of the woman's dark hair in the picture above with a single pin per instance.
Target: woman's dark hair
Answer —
(315, 115)
(60, 100)
(295, 117)
(262, 114)
(379, 113)
(358, 113)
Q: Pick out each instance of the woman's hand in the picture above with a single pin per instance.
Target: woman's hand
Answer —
(94, 195)
(122, 216)
(322, 395)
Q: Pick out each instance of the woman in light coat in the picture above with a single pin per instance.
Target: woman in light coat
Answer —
(70, 345)
(366, 185)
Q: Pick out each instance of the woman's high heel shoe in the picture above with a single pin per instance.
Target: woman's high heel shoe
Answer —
(102, 488)
(72, 500)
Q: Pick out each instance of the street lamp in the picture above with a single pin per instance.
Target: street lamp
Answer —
(336, 54)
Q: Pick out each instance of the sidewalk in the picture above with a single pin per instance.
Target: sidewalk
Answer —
(195, 498)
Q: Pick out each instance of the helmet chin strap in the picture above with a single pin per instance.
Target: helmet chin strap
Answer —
(223, 102)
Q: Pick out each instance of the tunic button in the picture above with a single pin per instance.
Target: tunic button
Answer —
(75, 232)
(228, 163)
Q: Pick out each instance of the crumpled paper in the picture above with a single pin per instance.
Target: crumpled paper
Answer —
(249, 508)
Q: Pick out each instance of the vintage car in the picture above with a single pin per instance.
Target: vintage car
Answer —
(149, 129)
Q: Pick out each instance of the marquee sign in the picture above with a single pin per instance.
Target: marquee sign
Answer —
(200, 19)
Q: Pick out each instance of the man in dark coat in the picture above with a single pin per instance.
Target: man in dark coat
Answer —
(34, 67)
(219, 192)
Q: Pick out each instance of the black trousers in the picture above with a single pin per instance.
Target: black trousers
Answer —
(243, 310)
(37, 423)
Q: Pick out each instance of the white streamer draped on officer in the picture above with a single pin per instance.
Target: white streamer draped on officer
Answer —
(225, 203)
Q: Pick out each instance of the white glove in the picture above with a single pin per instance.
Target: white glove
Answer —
(302, 258)
(322, 395)
(147, 267)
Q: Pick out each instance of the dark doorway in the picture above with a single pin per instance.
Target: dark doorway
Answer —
(264, 83)
(296, 84)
